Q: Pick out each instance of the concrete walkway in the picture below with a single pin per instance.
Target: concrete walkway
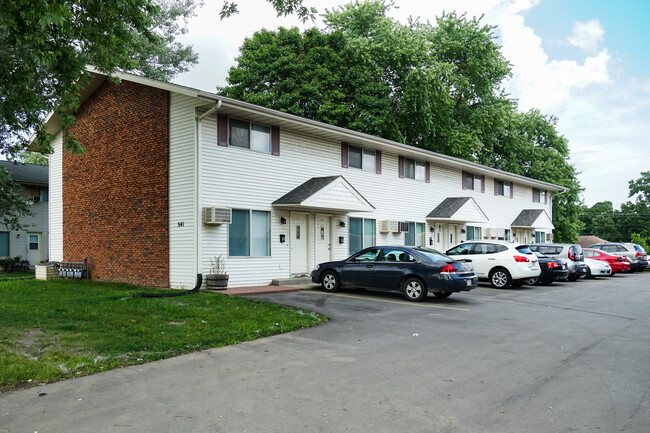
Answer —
(258, 290)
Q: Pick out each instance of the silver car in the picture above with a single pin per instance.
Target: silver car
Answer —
(635, 254)
(572, 253)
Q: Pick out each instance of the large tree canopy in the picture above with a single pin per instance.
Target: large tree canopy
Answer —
(46, 45)
(437, 87)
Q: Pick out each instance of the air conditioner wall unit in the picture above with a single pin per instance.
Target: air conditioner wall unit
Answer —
(387, 226)
(217, 215)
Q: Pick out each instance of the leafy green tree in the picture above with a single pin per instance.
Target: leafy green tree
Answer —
(436, 87)
(637, 212)
(13, 202)
(283, 8)
(46, 45)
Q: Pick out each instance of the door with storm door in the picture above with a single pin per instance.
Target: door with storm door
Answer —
(323, 239)
(299, 244)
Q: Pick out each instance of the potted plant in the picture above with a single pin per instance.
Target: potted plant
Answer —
(217, 279)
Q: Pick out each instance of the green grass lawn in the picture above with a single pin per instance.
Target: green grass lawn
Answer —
(53, 330)
(16, 275)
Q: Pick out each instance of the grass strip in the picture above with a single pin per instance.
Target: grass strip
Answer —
(55, 329)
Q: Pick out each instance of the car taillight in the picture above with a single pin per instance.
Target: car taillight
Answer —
(449, 269)
(638, 254)
(571, 255)
(553, 265)
(521, 259)
(620, 259)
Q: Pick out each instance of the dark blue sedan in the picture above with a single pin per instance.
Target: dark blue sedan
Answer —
(412, 271)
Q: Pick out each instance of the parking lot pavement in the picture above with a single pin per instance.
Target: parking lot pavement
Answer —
(565, 357)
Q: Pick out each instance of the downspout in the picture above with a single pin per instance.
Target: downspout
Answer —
(197, 190)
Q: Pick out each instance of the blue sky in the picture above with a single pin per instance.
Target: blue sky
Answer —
(584, 62)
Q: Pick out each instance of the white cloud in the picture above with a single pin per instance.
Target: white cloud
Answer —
(587, 35)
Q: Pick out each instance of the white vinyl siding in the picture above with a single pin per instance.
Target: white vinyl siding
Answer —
(182, 163)
(55, 203)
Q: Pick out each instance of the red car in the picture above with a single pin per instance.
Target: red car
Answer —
(618, 263)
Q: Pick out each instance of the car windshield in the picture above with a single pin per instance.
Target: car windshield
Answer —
(433, 255)
(523, 249)
(639, 248)
(538, 254)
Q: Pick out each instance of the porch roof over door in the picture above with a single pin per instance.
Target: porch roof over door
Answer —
(332, 193)
(458, 210)
(533, 219)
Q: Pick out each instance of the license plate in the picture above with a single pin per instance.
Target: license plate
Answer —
(468, 282)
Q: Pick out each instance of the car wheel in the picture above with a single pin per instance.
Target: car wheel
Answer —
(330, 282)
(414, 289)
(500, 278)
(612, 274)
(573, 277)
(442, 295)
(532, 281)
(589, 273)
(546, 282)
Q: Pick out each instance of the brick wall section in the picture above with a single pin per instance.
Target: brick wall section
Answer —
(115, 195)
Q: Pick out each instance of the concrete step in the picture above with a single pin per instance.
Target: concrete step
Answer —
(293, 281)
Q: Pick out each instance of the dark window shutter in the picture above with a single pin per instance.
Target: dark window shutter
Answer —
(512, 189)
(427, 172)
(464, 179)
(533, 195)
(378, 161)
(496, 187)
(400, 162)
(222, 129)
(482, 183)
(344, 154)
(275, 140)
(545, 197)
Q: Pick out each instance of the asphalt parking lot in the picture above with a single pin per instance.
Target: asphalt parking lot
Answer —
(562, 358)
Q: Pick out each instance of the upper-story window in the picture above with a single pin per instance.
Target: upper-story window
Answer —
(501, 187)
(250, 135)
(358, 157)
(473, 181)
(362, 158)
(539, 196)
(414, 169)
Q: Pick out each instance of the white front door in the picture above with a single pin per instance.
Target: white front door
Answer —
(299, 246)
(451, 235)
(323, 239)
(34, 248)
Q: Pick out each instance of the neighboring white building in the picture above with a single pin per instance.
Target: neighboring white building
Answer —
(275, 194)
(31, 242)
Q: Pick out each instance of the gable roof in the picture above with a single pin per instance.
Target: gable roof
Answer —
(30, 174)
(313, 128)
(533, 218)
(331, 193)
(461, 209)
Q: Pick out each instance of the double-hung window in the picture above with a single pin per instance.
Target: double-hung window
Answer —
(501, 187)
(414, 169)
(249, 233)
(362, 234)
(358, 157)
(472, 181)
(4, 244)
(250, 135)
(539, 196)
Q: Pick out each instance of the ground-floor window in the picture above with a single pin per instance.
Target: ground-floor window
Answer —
(474, 233)
(4, 244)
(362, 234)
(415, 234)
(540, 237)
(507, 235)
(249, 233)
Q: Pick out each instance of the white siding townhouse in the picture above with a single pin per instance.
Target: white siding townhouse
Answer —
(31, 242)
(174, 176)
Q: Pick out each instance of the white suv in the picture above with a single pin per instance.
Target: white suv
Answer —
(501, 263)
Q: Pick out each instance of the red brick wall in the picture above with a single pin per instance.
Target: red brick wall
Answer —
(115, 195)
